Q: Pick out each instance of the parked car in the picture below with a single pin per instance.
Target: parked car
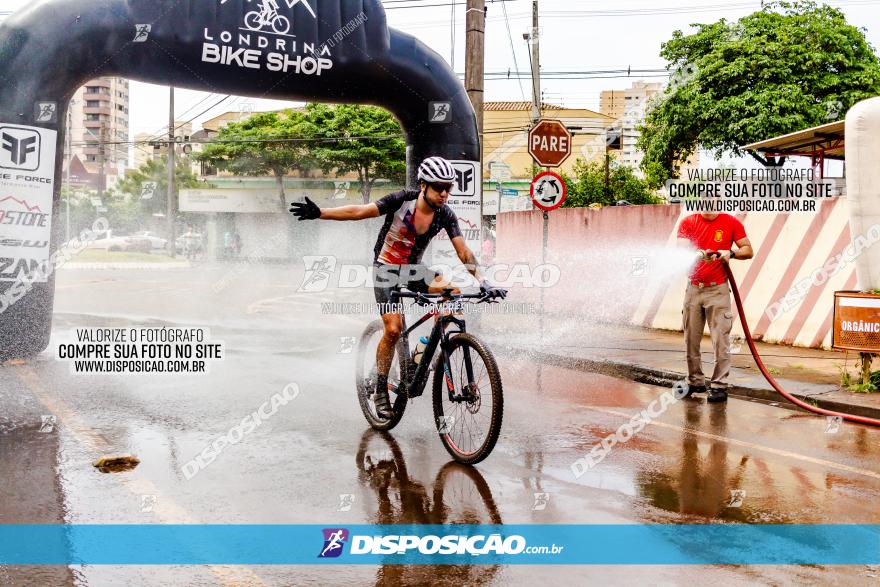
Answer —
(156, 241)
(122, 243)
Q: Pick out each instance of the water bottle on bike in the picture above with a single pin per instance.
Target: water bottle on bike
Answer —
(420, 350)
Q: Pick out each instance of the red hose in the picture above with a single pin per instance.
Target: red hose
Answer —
(760, 363)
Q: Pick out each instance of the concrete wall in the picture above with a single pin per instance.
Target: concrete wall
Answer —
(614, 265)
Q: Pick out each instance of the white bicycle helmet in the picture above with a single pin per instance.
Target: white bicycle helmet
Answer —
(436, 170)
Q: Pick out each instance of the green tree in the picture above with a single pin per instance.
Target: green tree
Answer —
(787, 67)
(380, 156)
(266, 144)
(128, 211)
(588, 186)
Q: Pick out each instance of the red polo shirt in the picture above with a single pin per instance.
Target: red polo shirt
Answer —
(714, 235)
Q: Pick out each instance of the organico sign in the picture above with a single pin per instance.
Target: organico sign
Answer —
(335, 51)
(263, 41)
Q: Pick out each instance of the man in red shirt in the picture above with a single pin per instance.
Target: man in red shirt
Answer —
(708, 295)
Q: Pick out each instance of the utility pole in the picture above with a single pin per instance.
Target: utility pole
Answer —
(102, 175)
(170, 204)
(475, 62)
(535, 42)
(69, 160)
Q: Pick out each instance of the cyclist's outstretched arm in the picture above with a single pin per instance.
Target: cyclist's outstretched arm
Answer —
(308, 210)
(361, 212)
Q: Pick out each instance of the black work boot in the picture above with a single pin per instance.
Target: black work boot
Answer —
(717, 395)
(381, 399)
(692, 389)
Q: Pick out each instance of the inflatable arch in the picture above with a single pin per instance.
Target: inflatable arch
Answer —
(339, 51)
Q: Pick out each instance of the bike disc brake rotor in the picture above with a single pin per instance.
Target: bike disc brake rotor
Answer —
(474, 399)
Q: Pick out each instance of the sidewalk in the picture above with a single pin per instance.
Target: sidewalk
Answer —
(657, 357)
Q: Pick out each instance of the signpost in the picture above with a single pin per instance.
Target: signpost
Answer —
(549, 146)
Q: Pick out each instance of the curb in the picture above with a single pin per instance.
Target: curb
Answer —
(666, 378)
(115, 266)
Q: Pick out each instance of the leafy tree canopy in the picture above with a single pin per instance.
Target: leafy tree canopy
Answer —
(381, 156)
(789, 66)
(260, 146)
(342, 139)
(588, 186)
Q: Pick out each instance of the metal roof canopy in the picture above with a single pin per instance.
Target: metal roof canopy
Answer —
(818, 143)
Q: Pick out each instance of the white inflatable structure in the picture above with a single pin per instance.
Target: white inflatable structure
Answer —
(863, 184)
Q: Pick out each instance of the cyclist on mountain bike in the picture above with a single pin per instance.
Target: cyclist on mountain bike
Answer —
(412, 219)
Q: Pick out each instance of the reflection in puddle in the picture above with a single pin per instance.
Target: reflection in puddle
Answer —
(459, 495)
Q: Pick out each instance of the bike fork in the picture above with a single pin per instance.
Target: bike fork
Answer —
(466, 390)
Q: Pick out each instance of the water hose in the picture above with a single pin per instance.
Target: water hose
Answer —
(776, 386)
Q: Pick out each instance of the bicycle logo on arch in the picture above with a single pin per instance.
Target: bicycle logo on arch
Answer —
(267, 18)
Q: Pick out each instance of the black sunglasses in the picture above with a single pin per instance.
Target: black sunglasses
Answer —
(442, 187)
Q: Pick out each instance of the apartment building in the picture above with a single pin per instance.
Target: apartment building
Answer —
(98, 123)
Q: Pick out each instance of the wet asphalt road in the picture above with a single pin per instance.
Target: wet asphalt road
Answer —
(316, 461)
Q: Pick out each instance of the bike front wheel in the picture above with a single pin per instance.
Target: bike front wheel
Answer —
(468, 408)
(365, 377)
(253, 21)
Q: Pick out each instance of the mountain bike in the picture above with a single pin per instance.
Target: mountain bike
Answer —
(467, 392)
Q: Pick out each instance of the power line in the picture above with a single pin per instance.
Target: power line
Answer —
(513, 51)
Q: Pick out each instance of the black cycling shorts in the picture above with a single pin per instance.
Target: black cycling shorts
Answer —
(388, 279)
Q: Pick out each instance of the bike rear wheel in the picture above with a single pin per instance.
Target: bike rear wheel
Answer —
(468, 428)
(365, 377)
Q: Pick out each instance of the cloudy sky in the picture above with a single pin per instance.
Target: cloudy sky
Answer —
(577, 35)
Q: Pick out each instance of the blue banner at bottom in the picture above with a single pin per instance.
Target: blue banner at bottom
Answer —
(765, 544)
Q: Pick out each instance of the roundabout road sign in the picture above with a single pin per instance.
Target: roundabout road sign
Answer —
(548, 191)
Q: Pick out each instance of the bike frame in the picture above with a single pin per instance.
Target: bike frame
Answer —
(439, 338)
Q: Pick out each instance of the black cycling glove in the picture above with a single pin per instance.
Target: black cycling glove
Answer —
(305, 211)
(491, 291)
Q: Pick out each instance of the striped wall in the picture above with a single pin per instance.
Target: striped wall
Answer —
(788, 249)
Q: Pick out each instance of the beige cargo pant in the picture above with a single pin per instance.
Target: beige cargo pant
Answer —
(707, 304)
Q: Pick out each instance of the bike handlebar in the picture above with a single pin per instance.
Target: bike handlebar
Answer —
(429, 297)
